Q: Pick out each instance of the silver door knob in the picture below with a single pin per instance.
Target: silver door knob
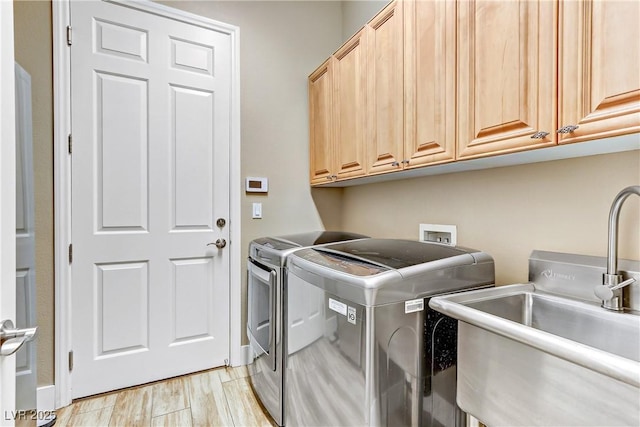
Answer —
(220, 243)
(11, 339)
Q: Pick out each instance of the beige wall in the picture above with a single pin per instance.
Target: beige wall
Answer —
(33, 51)
(356, 13)
(508, 212)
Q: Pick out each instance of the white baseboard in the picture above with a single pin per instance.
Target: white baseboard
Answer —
(243, 357)
(46, 406)
(46, 398)
(246, 354)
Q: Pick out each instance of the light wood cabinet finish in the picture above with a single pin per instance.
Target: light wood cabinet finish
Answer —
(599, 70)
(385, 92)
(321, 124)
(349, 78)
(441, 81)
(429, 93)
(507, 76)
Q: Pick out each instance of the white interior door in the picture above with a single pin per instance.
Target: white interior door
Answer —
(26, 377)
(150, 176)
(7, 206)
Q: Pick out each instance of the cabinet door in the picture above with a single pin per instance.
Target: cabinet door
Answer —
(429, 61)
(320, 124)
(599, 68)
(507, 76)
(385, 90)
(349, 78)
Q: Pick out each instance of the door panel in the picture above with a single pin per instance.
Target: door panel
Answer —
(192, 168)
(121, 315)
(150, 174)
(192, 297)
(121, 153)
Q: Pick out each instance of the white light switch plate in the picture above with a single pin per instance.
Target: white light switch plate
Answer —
(257, 210)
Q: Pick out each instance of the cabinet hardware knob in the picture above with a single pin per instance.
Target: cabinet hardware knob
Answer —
(567, 129)
(539, 135)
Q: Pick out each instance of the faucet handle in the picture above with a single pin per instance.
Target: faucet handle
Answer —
(605, 292)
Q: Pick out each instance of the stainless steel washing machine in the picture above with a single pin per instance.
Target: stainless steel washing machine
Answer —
(265, 328)
(363, 346)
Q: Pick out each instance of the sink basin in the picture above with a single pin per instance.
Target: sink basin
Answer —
(527, 357)
(583, 323)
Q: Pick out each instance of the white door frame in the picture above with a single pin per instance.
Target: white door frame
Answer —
(8, 211)
(62, 184)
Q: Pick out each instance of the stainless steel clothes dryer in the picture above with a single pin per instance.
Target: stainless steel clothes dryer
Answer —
(363, 346)
(265, 329)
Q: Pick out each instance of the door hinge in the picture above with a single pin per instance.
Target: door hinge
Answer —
(70, 253)
(71, 361)
(70, 141)
(68, 35)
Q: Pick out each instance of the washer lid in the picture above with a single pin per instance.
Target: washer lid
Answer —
(394, 253)
(318, 238)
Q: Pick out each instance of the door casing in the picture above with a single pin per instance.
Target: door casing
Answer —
(62, 185)
(7, 206)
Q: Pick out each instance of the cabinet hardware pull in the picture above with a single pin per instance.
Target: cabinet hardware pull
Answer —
(539, 135)
(395, 164)
(405, 162)
(567, 129)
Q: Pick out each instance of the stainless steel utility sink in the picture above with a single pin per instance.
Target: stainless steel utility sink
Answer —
(583, 323)
(527, 357)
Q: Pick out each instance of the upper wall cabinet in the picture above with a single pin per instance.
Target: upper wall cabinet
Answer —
(506, 76)
(599, 51)
(349, 109)
(430, 79)
(321, 124)
(385, 90)
(337, 114)
(428, 82)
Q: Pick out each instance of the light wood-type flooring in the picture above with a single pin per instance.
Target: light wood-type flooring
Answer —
(219, 397)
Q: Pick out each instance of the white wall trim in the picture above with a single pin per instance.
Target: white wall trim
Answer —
(62, 200)
(7, 200)
(62, 185)
(235, 207)
(46, 398)
(246, 355)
